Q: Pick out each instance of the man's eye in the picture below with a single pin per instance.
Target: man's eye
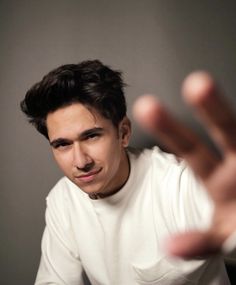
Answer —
(92, 136)
(61, 145)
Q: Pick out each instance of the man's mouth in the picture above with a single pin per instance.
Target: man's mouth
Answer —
(89, 176)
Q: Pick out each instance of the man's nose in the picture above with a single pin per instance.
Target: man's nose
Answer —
(81, 159)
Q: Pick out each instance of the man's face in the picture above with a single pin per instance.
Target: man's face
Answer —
(88, 148)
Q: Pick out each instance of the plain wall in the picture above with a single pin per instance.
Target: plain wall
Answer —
(156, 43)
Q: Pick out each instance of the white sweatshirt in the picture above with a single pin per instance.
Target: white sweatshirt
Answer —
(118, 240)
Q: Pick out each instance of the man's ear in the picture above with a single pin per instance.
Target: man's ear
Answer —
(125, 131)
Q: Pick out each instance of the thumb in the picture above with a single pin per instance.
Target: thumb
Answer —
(193, 244)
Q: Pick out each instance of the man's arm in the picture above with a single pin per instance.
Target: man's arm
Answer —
(217, 172)
(60, 263)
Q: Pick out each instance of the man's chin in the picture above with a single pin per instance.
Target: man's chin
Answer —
(88, 189)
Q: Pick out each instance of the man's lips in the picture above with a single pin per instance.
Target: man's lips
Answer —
(89, 176)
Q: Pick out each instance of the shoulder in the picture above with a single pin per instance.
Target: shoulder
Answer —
(64, 195)
(157, 160)
(60, 190)
(167, 167)
(56, 202)
(65, 203)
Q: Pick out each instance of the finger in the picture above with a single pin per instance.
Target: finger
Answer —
(200, 91)
(193, 244)
(176, 137)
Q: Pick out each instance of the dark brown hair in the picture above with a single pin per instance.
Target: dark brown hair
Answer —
(90, 83)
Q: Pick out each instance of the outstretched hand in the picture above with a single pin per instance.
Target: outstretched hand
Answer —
(217, 172)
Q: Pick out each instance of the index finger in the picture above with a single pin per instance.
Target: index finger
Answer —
(201, 92)
(179, 139)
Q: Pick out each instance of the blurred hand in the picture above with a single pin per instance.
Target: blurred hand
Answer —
(218, 173)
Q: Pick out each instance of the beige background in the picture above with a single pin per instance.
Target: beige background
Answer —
(156, 43)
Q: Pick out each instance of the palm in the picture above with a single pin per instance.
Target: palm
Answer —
(217, 172)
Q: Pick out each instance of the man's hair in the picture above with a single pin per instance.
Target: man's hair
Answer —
(90, 83)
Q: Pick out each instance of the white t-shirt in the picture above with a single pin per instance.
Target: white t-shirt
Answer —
(118, 240)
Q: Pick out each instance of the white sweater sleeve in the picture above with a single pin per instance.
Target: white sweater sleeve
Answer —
(60, 263)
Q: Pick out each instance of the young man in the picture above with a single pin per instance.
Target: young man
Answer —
(109, 216)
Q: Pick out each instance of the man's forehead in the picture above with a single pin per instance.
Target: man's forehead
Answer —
(73, 118)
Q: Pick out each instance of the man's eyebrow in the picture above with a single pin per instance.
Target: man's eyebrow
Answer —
(89, 132)
(59, 141)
